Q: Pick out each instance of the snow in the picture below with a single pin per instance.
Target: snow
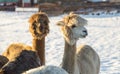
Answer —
(103, 30)
(26, 9)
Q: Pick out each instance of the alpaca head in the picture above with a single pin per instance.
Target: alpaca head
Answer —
(39, 25)
(72, 27)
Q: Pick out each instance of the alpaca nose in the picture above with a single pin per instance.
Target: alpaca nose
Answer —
(85, 32)
(41, 28)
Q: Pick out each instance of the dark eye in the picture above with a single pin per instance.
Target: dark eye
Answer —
(45, 23)
(41, 21)
(73, 26)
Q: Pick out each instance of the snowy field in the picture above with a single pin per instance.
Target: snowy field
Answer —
(103, 30)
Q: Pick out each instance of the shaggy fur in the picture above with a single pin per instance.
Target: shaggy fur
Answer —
(71, 25)
(39, 25)
(83, 60)
(15, 49)
(74, 19)
(3, 60)
(25, 61)
(46, 70)
(39, 28)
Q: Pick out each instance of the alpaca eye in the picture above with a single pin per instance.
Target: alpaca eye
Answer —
(41, 21)
(73, 26)
(45, 23)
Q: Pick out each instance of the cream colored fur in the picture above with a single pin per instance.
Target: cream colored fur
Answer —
(70, 34)
(46, 70)
(88, 60)
(83, 60)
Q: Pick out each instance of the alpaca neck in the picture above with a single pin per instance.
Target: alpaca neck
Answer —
(39, 47)
(68, 62)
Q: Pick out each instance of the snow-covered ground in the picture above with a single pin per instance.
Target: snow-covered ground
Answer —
(104, 37)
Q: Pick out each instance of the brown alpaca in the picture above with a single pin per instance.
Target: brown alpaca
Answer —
(15, 49)
(3, 61)
(83, 60)
(39, 28)
(24, 61)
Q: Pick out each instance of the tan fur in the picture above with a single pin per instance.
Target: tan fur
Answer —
(83, 60)
(15, 49)
(39, 25)
(3, 60)
(39, 28)
(39, 47)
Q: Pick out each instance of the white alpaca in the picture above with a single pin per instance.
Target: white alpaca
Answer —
(83, 60)
(46, 70)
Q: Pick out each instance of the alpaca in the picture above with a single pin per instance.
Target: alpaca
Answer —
(83, 60)
(46, 70)
(39, 28)
(26, 60)
(3, 60)
(15, 49)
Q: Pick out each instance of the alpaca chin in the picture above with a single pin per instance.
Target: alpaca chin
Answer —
(71, 41)
(39, 36)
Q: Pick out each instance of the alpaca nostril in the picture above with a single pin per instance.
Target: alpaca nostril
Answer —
(85, 32)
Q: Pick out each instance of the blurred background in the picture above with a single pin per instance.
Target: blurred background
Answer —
(60, 6)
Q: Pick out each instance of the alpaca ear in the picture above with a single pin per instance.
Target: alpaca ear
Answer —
(60, 23)
(71, 13)
(31, 20)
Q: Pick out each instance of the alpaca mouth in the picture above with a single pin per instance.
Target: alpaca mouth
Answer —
(83, 36)
(46, 32)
